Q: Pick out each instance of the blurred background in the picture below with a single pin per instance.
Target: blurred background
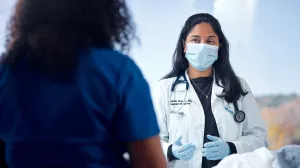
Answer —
(264, 37)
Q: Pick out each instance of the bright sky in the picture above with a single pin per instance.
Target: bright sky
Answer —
(263, 35)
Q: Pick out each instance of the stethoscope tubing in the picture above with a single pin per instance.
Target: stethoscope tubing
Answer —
(238, 116)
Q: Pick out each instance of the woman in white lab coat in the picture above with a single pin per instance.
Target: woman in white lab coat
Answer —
(204, 110)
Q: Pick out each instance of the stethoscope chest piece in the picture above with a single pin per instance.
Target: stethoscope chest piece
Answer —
(239, 116)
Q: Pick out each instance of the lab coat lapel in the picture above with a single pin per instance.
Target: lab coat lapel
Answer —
(216, 90)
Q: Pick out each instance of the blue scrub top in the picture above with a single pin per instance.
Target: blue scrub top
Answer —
(83, 123)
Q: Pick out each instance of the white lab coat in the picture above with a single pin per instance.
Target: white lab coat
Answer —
(246, 136)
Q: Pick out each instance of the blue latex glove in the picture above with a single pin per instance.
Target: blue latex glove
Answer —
(183, 152)
(215, 150)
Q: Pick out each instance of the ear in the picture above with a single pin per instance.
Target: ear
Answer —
(184, 46)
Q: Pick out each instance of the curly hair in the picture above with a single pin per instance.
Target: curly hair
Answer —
(51, 33)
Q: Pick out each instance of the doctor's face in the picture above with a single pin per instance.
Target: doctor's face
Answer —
(202, 33)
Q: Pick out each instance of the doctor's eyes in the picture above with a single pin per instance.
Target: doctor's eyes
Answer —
(211, 42)
(197, 40)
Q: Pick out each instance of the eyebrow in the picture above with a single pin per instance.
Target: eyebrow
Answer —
(195, 36)
(212, 36)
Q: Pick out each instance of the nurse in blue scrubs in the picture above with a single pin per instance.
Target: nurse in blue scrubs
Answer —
(67, 99)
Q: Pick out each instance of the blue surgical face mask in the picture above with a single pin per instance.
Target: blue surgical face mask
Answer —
(201, 56)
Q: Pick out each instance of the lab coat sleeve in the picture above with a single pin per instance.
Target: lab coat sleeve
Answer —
(161, 106)
(254, 133)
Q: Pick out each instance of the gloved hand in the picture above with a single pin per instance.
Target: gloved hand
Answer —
(183, 152)
(215, 150)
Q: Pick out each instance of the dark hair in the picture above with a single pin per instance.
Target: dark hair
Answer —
(223, 70)
(51, 33)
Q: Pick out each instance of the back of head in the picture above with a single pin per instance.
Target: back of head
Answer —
(51, 33)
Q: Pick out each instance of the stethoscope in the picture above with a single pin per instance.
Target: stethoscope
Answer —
(187, 85)
(238, 115)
